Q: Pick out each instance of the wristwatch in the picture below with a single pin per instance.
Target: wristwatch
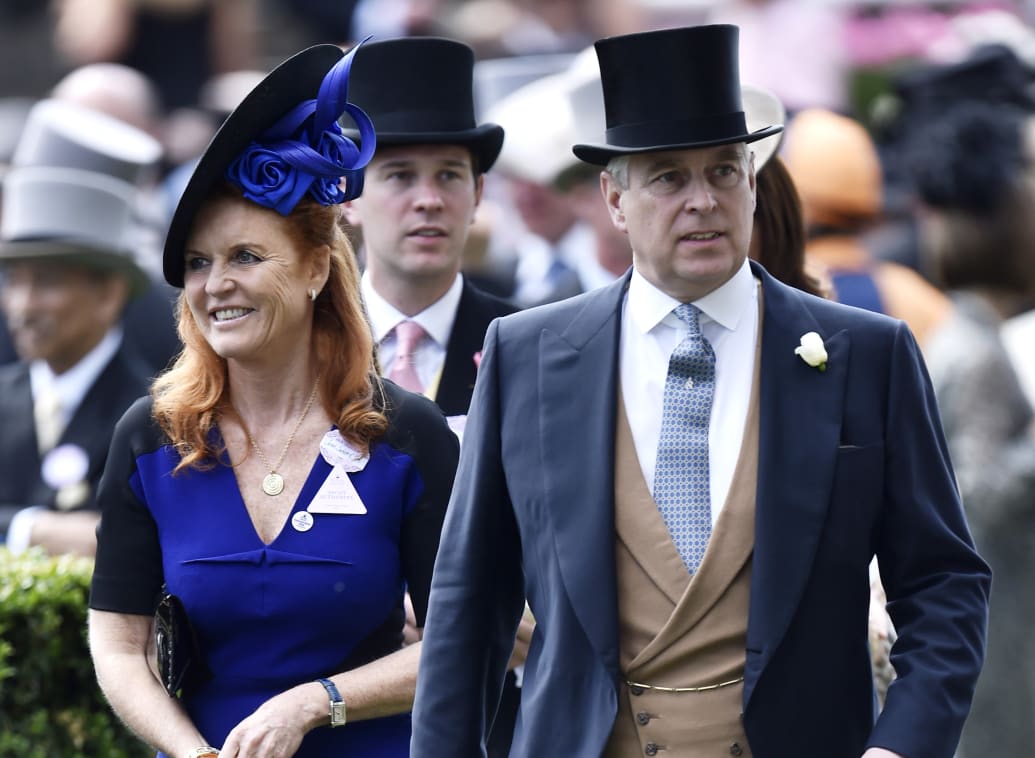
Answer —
(337, 704)
(205, 751)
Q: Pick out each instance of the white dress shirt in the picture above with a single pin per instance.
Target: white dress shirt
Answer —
(651, 332)
(437, 320)
(71, 386)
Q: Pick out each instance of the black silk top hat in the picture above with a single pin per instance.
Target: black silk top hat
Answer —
(669, 90)
(282, 142)
(419, 91)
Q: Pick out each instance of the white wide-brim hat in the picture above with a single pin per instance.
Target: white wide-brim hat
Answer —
(762, 107)
(545, 117)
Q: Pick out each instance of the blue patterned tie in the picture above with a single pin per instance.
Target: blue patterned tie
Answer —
(681, 483)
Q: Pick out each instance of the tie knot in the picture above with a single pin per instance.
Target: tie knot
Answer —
(408, 334)
(690, 316)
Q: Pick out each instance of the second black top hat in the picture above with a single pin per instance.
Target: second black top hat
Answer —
(671, 89)
(419, 90)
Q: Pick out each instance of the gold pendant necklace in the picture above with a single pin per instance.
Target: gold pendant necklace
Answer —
(273, 483)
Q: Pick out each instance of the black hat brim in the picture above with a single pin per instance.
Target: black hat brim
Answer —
(601, 155)
(485, 141)
(293, 81)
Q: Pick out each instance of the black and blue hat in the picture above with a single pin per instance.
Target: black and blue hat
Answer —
(281, 143)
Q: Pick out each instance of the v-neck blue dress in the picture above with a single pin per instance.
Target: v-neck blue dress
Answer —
(311, 603)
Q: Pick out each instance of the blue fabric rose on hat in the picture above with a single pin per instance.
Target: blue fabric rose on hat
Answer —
(306, 152)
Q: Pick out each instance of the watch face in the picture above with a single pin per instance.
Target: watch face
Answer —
(338, 714)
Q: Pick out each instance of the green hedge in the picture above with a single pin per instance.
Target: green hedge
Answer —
(50, 705)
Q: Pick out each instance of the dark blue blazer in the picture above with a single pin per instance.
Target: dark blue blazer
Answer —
(122, 381)
(852, 463)
(474, 313)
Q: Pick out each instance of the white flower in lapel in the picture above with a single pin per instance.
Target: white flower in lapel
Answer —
(812, 351)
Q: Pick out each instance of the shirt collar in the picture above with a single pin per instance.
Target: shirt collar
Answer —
(72, 385)
(648, 306)
(437, 319)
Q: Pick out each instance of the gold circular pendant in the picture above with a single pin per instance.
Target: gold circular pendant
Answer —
(273, 483)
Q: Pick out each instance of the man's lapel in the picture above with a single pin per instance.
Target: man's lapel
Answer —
(799, 431)
(578, 386)
(799, 434)
(121, 382)
(456, 384)
(18, 442)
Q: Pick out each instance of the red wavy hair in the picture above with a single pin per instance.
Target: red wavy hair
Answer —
(190, 398)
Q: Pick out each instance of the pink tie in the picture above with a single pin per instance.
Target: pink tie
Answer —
(408, 335)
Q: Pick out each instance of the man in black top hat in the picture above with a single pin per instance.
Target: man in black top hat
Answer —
(688, 473)
(421, 191)
(420, 194)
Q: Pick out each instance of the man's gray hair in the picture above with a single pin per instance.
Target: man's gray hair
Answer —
(618, 168)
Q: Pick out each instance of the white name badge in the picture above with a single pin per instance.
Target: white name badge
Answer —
(64, 465)
(336, 450)
(302, 521)
(337, 495)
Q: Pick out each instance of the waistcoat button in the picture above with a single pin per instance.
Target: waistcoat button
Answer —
(736, 749)
(642, 718)
(650, 749)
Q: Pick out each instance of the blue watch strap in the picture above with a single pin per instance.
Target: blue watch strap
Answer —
(338, 715)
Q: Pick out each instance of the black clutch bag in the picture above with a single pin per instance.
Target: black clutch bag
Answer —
(180, 663)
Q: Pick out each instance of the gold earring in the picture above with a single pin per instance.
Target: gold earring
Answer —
(312, 294)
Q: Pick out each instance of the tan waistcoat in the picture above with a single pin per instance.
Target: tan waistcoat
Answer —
(675, 631)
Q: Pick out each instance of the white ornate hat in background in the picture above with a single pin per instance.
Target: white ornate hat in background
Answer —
(762, 107)
(545, 117)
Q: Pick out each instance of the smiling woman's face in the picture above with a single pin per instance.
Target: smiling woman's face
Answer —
(247, 282)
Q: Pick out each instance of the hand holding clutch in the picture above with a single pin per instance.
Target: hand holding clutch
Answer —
(180, 663)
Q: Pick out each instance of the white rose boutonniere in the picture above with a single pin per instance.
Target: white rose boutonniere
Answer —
(812, 351)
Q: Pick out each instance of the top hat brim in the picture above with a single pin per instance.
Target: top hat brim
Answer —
(76, 252)
(601, 155)
(293, 81)
(485, 141)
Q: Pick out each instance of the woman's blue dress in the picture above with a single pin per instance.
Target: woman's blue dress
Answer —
(309, 604)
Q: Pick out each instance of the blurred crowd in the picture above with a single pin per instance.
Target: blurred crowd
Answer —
(910, 144)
